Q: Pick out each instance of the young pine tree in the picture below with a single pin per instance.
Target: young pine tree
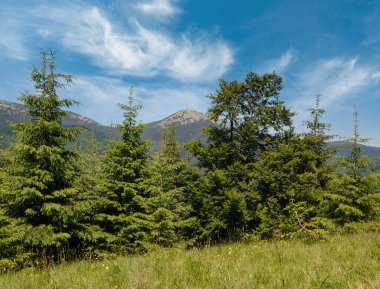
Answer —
(174, 180)
(124, 200)
(40, 196)
(290, 182)
(354, 194)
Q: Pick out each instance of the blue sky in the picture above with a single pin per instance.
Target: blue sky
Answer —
(174, 52)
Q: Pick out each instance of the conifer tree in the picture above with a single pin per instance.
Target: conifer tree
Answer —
(40, 196)
(252, 119)
(354, 194)
(176, 180)
(124, 206)
(290, 181)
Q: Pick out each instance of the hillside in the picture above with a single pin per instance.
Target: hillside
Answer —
(342, 261)
(188, 125)
(15, 112)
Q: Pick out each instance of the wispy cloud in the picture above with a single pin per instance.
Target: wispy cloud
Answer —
(334, 79)
(280, 65)
(129, 48)
(161, 8)
(12, 36)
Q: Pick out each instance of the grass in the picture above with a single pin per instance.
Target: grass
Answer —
(343, 261)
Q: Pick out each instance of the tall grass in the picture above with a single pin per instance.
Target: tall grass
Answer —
(343, 261)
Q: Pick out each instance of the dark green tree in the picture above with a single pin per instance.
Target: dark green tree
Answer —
(175, 181)
(250, 119)
(40, 197)
(290, 181)
(353, 195)
(124, 200)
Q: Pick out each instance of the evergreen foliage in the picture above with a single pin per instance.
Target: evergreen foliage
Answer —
(124, 205)
(252, 121)
(353, 195)
(255, 178)
(39, 197)
(175, 181)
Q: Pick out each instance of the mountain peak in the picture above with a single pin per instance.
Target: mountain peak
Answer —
(184, 116)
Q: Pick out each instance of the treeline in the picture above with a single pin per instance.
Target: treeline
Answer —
(255, 177)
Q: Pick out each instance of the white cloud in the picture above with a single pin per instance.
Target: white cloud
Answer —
(334, 79)
(280, 65)
(132, 49)
(11, 37)
(161, 8)
(98, 97)
(376, 75)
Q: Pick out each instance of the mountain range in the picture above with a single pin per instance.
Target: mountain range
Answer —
(188, 125)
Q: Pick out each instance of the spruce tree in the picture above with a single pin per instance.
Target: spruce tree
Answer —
(290, 182)
(175, 181)
(124, 200)
(40, 196)
(251, 118)
(354, 193)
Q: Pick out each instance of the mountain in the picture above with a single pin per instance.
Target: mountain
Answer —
(15, 112)
(188, 125)
(373, 152)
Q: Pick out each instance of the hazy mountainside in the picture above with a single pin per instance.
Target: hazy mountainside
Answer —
(188, 125)
(15, 112)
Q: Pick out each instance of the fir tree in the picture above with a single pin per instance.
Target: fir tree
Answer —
(290, 182)
(252, 118)
(40, 196)
(353, 195)
(176, 180)
(124, 206)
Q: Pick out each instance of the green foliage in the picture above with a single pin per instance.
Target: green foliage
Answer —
(39, 195)
(252, 119)
(256, 178)
(124, 201)
(290, 181)
(174, 180)
(353, 196)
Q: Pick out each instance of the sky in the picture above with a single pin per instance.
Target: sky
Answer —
(173, 52)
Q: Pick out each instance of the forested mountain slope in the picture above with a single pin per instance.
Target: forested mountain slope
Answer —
(188, 125)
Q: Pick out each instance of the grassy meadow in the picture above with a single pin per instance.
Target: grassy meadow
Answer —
(342, 261)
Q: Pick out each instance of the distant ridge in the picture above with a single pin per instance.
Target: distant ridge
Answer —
(183, 117)
(15, 112)
(188, 124)
(18, 110)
